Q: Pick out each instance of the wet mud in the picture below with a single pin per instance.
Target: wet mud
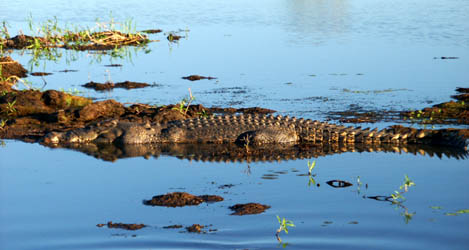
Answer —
(10, 67)
(248, 208)
(110, 85)
(180, 199)
(197, 78)
(125, 226)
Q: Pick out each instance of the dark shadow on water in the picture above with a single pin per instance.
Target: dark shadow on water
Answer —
(236, 153)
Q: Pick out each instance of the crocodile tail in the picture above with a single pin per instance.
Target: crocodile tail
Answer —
(446, 137)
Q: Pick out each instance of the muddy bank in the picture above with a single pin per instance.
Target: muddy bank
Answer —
(30, 114)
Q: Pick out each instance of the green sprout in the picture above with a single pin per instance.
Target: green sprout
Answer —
(398, 195)
(311, 167)
(283, 226)
(182, 107)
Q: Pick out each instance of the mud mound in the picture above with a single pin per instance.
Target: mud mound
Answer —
(180, 199)
(10, 67)
(248, 208)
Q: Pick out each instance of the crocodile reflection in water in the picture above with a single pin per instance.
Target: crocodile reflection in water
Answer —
(236, 153)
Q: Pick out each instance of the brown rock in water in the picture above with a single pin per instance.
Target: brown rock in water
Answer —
(180, 199)
(248, 208)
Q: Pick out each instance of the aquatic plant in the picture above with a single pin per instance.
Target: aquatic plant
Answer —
(398, 195)
(311, 167)
(184, 104)
(283, 226)
(48, 37)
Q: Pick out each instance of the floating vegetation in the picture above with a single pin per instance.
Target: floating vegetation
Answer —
(46, 35)
(49, 37)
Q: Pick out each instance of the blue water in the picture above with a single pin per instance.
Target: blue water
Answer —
(293, 56)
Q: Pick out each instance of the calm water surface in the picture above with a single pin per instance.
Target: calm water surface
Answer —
(298, 57)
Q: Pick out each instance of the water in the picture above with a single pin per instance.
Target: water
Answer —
(296, 57)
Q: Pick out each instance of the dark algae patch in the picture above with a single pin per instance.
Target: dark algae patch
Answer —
(180, 199)
(110, 85)
(197, 77)
(125, 226)
(248, 208)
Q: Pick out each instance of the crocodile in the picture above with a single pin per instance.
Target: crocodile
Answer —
(252, 130)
